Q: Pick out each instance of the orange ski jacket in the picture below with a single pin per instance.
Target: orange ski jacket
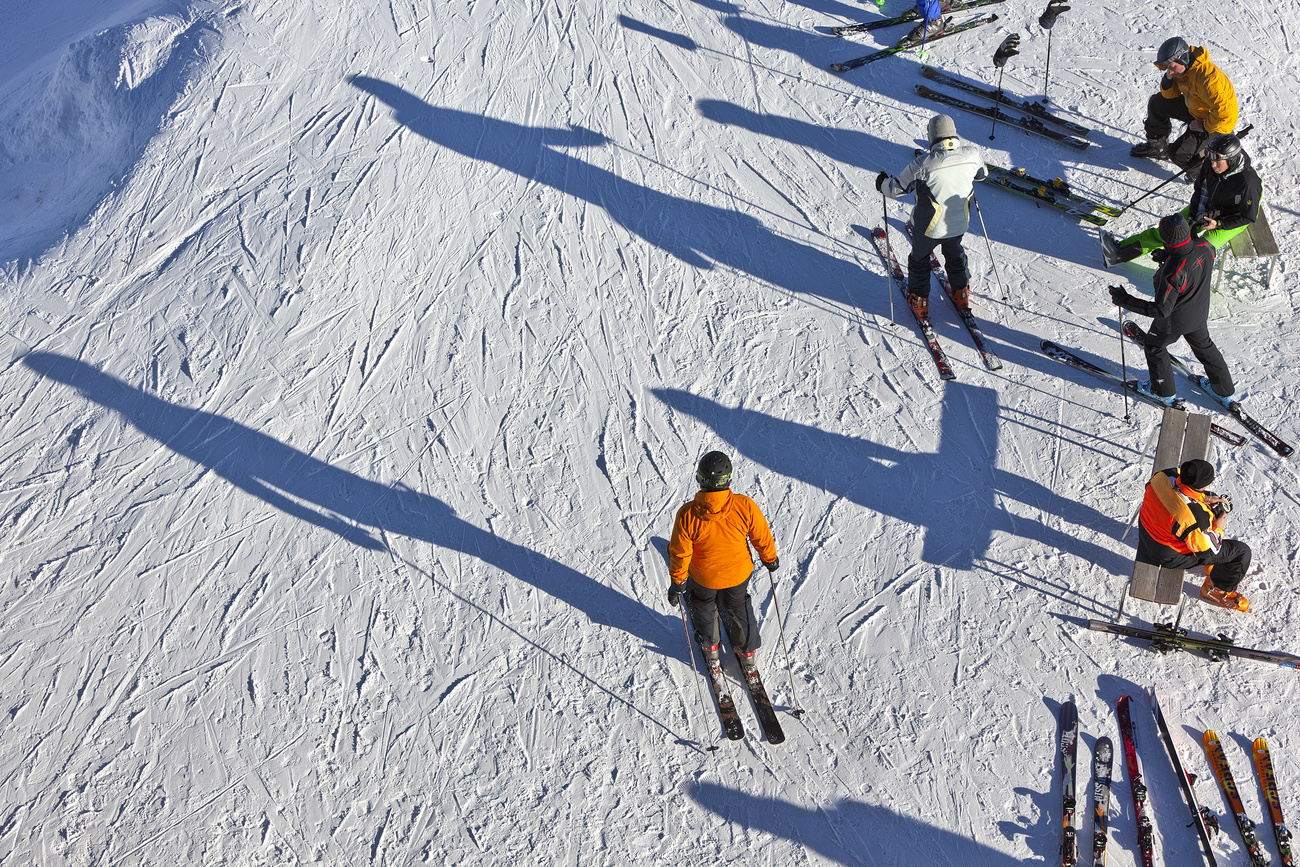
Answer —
(1177, 516)
(1208, 93)
(709, 540)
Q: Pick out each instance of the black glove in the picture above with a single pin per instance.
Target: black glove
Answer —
(880, 180)
(1160, 254)
(1119, 295)
(772, 567)
(674, 594)
(1223, 506)
(1055, 8)
(1007, 50)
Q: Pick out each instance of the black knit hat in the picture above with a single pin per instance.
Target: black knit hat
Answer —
(1174, 231)
(1196, 474)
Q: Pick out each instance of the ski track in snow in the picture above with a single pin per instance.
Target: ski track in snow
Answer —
(357, 361)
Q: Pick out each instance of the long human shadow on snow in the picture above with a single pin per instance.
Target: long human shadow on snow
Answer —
(344, 503)
(849, 832)
(695, 233)
(951, 494)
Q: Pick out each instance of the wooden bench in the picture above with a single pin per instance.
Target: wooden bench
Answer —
(1257, 242)
(1183, 436)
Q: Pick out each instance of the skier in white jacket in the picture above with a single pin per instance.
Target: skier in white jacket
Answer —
(943, 181)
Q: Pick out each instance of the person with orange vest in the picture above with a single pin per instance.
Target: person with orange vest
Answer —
(1181, 526)
(708, 556)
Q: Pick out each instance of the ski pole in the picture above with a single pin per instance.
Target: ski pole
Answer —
(980, 214)
(1123, 364)
(884, 211)
(1047, 70)
(690, 648)
(798, 711)
(1007, 50)
(997, 102)
(1245, 132)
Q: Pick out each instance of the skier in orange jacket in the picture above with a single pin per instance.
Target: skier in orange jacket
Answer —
(708, 555)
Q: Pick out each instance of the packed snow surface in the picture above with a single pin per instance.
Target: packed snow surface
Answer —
(358, 355)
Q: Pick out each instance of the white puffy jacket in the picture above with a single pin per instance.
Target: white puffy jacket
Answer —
(943, 181)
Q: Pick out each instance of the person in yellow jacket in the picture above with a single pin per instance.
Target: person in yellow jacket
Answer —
(1194, 91)
(1181, 526)
(708, 556)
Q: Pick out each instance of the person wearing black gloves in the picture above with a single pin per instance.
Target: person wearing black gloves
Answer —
(944, 183)
(1181, 309)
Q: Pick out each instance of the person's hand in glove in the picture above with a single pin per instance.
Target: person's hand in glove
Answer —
(1007, 50)
(880, 180)
(674, 594)
(772, 567)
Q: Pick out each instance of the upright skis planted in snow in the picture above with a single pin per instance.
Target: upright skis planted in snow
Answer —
(1128, 737)
(910, 15)
(1268, 783)
(1025, 122)
(1065, 356)
(1222, 771)
(906, 44)
(1102, 754)
(1263, 434)
(762, 705)
(927, 330)
(1068, 748)
(1034, 108)
(1202, 818)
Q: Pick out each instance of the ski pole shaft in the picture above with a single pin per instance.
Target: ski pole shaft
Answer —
(794, 699)
(1047, 70)
(1123, 364)
(1001, 286)
(998, 102)
(690, 648)
(884, 219)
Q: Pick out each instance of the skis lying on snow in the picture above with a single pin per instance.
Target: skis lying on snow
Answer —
(1025, 122)
(1267, 437)
(1065, 356)
(906, 43)
(762, 704)
(1102, 753)
(1206, 823)
(999, 96)
(1222, 771)
(1056, 193)
(1164, 638)
(910, 15)
(1068, 748)
(927, 330)
(1128, 737)
(991, 360)
(1268, 782)
(1056, 186)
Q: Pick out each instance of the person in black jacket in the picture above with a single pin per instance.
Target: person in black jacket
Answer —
(1225, 201)
(1181, 309)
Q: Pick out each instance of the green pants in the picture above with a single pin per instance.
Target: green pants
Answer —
(1149, 239)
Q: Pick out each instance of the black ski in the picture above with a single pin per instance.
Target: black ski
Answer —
(1057, 187)
(1263, 434)
(1034, 108)
(927, 330)
(991, 360)
(726, 707)
(1102, 753)
(1068, 749)
(906, 44)
(1268, 783)
(1025, 122)
(1204, 821)
(910, 15)
(1223, 772)
(1164, 638)
(1128, 737)
(1065, 356)
(762, 705)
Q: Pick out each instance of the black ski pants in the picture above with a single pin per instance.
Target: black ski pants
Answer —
(1184, 151)
(1229, 563)
(737, 609)
(1162, 369)
(918, 264)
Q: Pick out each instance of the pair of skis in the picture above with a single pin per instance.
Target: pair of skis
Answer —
(990, 358)
(731, 724)
(1055, 193)
(1037, 109)
(1028, 123)
(910, 15)
(1101, 764)
(1223, 773)
(907, 44)
(1165, 638)
(1263, 434)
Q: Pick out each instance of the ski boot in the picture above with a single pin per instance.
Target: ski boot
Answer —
(1113, 252)
(1203, 383)
(710, 652)
(1229, 599)
(920, 305)
(921, 32)
(748, 661)
(961, 298)
(1144, 388)
(1152, 148)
